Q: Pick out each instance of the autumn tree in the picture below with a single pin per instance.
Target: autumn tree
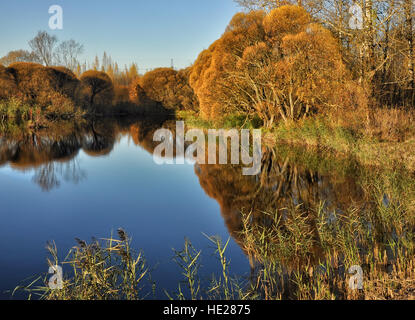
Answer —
(19, 56)
(209, 71)
(96, 90)
(376, 38)
(137, 94)
(275, 65)
(167, 86)
(8, 86)
(51, 88)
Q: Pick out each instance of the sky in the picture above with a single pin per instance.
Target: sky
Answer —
(148, 32)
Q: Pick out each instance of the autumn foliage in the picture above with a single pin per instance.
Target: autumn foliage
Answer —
(165, 86)
(275, 65)
(96, 90)
(7, 85)
(52, 88)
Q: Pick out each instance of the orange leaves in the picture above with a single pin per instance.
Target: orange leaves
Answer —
(49, 87)
(166, 86)
(96, 90)
(285, 20)
(137, 93)
(275, 65)
(7, 84)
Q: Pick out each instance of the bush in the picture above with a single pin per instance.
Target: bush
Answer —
(47, 87)
(96, 91)
(137, 93)
(7, 84)
(166, 86)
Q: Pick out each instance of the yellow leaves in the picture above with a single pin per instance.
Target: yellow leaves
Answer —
(284, 20)
(281, 59)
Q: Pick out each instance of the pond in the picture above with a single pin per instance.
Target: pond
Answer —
(88, 179)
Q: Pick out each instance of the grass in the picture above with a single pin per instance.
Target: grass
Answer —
(16, 115)
(381, 240)
(227, 122)
(381, 144)
(103, 270)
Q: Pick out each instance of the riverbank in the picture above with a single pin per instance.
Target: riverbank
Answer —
(388, 144)
(369, 148)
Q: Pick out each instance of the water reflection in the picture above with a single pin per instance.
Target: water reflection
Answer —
(52, 153)
(304, 203)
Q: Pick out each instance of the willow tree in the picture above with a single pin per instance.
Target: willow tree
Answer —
(96, 89)
(167, 86)
(275, 65)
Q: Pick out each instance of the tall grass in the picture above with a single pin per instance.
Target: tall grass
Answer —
(102, 270)
(297, 251)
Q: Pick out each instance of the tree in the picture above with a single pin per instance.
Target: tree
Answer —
(67, 54)
(167, 86)
(19, 56)
(95, 66)
(208, 75)
(43, 46)
(51, 88)
(97, 89)
(8, 86)
(275, 65)
(132, 72)
(379, 50)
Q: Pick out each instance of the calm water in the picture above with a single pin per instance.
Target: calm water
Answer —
(86, 180)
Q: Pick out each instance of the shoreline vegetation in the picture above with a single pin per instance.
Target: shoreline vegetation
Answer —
(296, 249)
(307, 82)
(280, 70)
(110, 269)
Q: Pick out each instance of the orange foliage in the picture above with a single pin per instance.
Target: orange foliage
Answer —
(7, 84)
(96, 90)
(275, 65)
(121, 94)
(137, 93)
(50, 87)
(166, 86)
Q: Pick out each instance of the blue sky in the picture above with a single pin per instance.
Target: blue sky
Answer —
(149, 32)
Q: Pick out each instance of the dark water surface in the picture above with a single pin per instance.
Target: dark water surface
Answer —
(87, 180)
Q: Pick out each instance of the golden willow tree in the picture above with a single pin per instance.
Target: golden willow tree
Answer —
(275, 65)
(379, 49)
(166, 86)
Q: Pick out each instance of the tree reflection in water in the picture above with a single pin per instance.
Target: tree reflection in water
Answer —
(302, 209)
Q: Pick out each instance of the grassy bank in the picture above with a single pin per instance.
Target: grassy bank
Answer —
(16, 115)
(388, 140)
(193, 120)
(379, 146)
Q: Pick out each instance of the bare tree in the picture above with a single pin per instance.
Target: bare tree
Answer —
(43, 46)
(67, 54)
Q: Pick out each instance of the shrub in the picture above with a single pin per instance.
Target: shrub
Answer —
(167, 86)
(7, 84)
(44, 86)
(137, 93)
(96, 90)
